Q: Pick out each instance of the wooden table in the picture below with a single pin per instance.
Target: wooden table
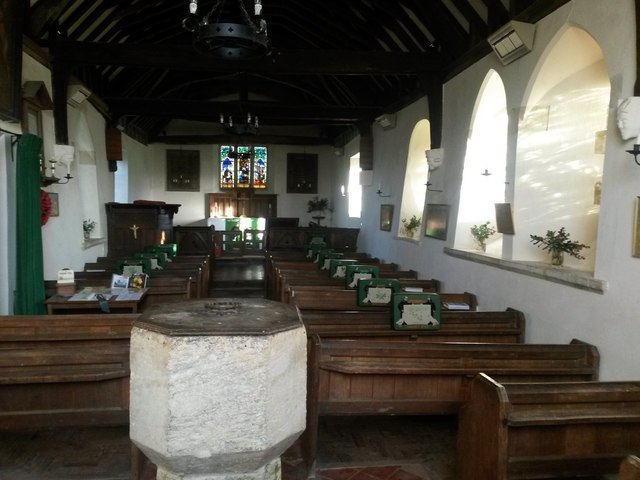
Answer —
(59, 304)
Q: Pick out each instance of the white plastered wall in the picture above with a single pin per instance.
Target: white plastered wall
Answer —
(555, 313)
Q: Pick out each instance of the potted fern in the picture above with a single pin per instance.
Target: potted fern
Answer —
(319, 205)
(558, 243)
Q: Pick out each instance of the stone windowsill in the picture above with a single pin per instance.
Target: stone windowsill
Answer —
(566, 276)
(92, 242)
(408, 239)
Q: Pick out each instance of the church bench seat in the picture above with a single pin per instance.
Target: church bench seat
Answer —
(433, 378)
(324, 297)
(292, 276)
(160, 288)
(457, 326)
(362, 377)
(274, 266)
(629, 468)
(546, 430)
(64, 370)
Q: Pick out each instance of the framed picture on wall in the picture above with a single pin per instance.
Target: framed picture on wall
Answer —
(183, 170)
(636, 229)
(55, 206)
(504, 219)
(302, 173)
(386, 217)
(437, 221)
(11, 59)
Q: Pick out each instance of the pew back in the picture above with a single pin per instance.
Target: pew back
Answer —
(367, 378)
(64, 370)
(456, 326)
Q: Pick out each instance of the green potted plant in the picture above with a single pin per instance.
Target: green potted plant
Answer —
(558, 243)
(319, 205)
(410, 226)
(481, 234)
(87, 227)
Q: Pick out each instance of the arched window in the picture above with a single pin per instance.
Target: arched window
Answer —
(560, 153)
(415, 179)
(484, 174)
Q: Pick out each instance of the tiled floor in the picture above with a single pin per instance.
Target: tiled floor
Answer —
(364, 448)
(391, 472)
(408, 442)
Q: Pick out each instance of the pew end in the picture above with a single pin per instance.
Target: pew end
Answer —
(509, 431)
(630, 468)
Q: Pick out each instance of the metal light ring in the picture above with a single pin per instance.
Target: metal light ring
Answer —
(229, 40)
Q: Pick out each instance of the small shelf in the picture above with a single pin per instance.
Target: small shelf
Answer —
(92, 242)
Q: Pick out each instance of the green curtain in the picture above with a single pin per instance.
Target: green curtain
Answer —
(30, 294)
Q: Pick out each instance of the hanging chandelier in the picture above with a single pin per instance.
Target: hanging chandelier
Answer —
(225, 33)
(249, 128)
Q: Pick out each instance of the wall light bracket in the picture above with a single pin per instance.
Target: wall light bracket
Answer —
(635, 152)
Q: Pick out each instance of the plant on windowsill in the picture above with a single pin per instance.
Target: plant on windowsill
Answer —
(410, 226)
(87, 227)
(558, 243)
(319, 205)
(481, 234)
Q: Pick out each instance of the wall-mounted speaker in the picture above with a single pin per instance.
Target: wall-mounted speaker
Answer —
(76, 94)
(512, 41)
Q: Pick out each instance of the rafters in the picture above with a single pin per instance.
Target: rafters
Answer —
(333, 63)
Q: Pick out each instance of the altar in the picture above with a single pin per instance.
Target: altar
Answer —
(238, 235)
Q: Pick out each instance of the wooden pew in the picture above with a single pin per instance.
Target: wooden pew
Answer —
(287, 277)
(275, 267)
(323, 297)
(161, 288)
(546, 430)
(64, 370)
(196, 266)
(357, 377)
(457, 326)
(629, 468)
(103, 279)
(353, 377)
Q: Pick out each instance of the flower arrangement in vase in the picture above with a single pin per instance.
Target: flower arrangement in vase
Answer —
(87, 227)
(558, 243)
(481, 234)
(410, 226)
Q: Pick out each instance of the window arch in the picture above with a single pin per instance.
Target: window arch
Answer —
(560, 152)
(415, 189)
(484, 173)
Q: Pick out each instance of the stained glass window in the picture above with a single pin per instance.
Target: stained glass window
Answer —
(260, 167)
(243, 167)
(227, 170)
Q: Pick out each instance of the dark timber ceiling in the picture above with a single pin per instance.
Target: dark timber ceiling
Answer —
(334, 65)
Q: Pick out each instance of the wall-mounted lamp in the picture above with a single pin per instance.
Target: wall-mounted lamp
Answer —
(343, 191)
(486, 173)
(434, 161)
(635, 152)
(380, 193)
(63, 154)
(428, 184)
